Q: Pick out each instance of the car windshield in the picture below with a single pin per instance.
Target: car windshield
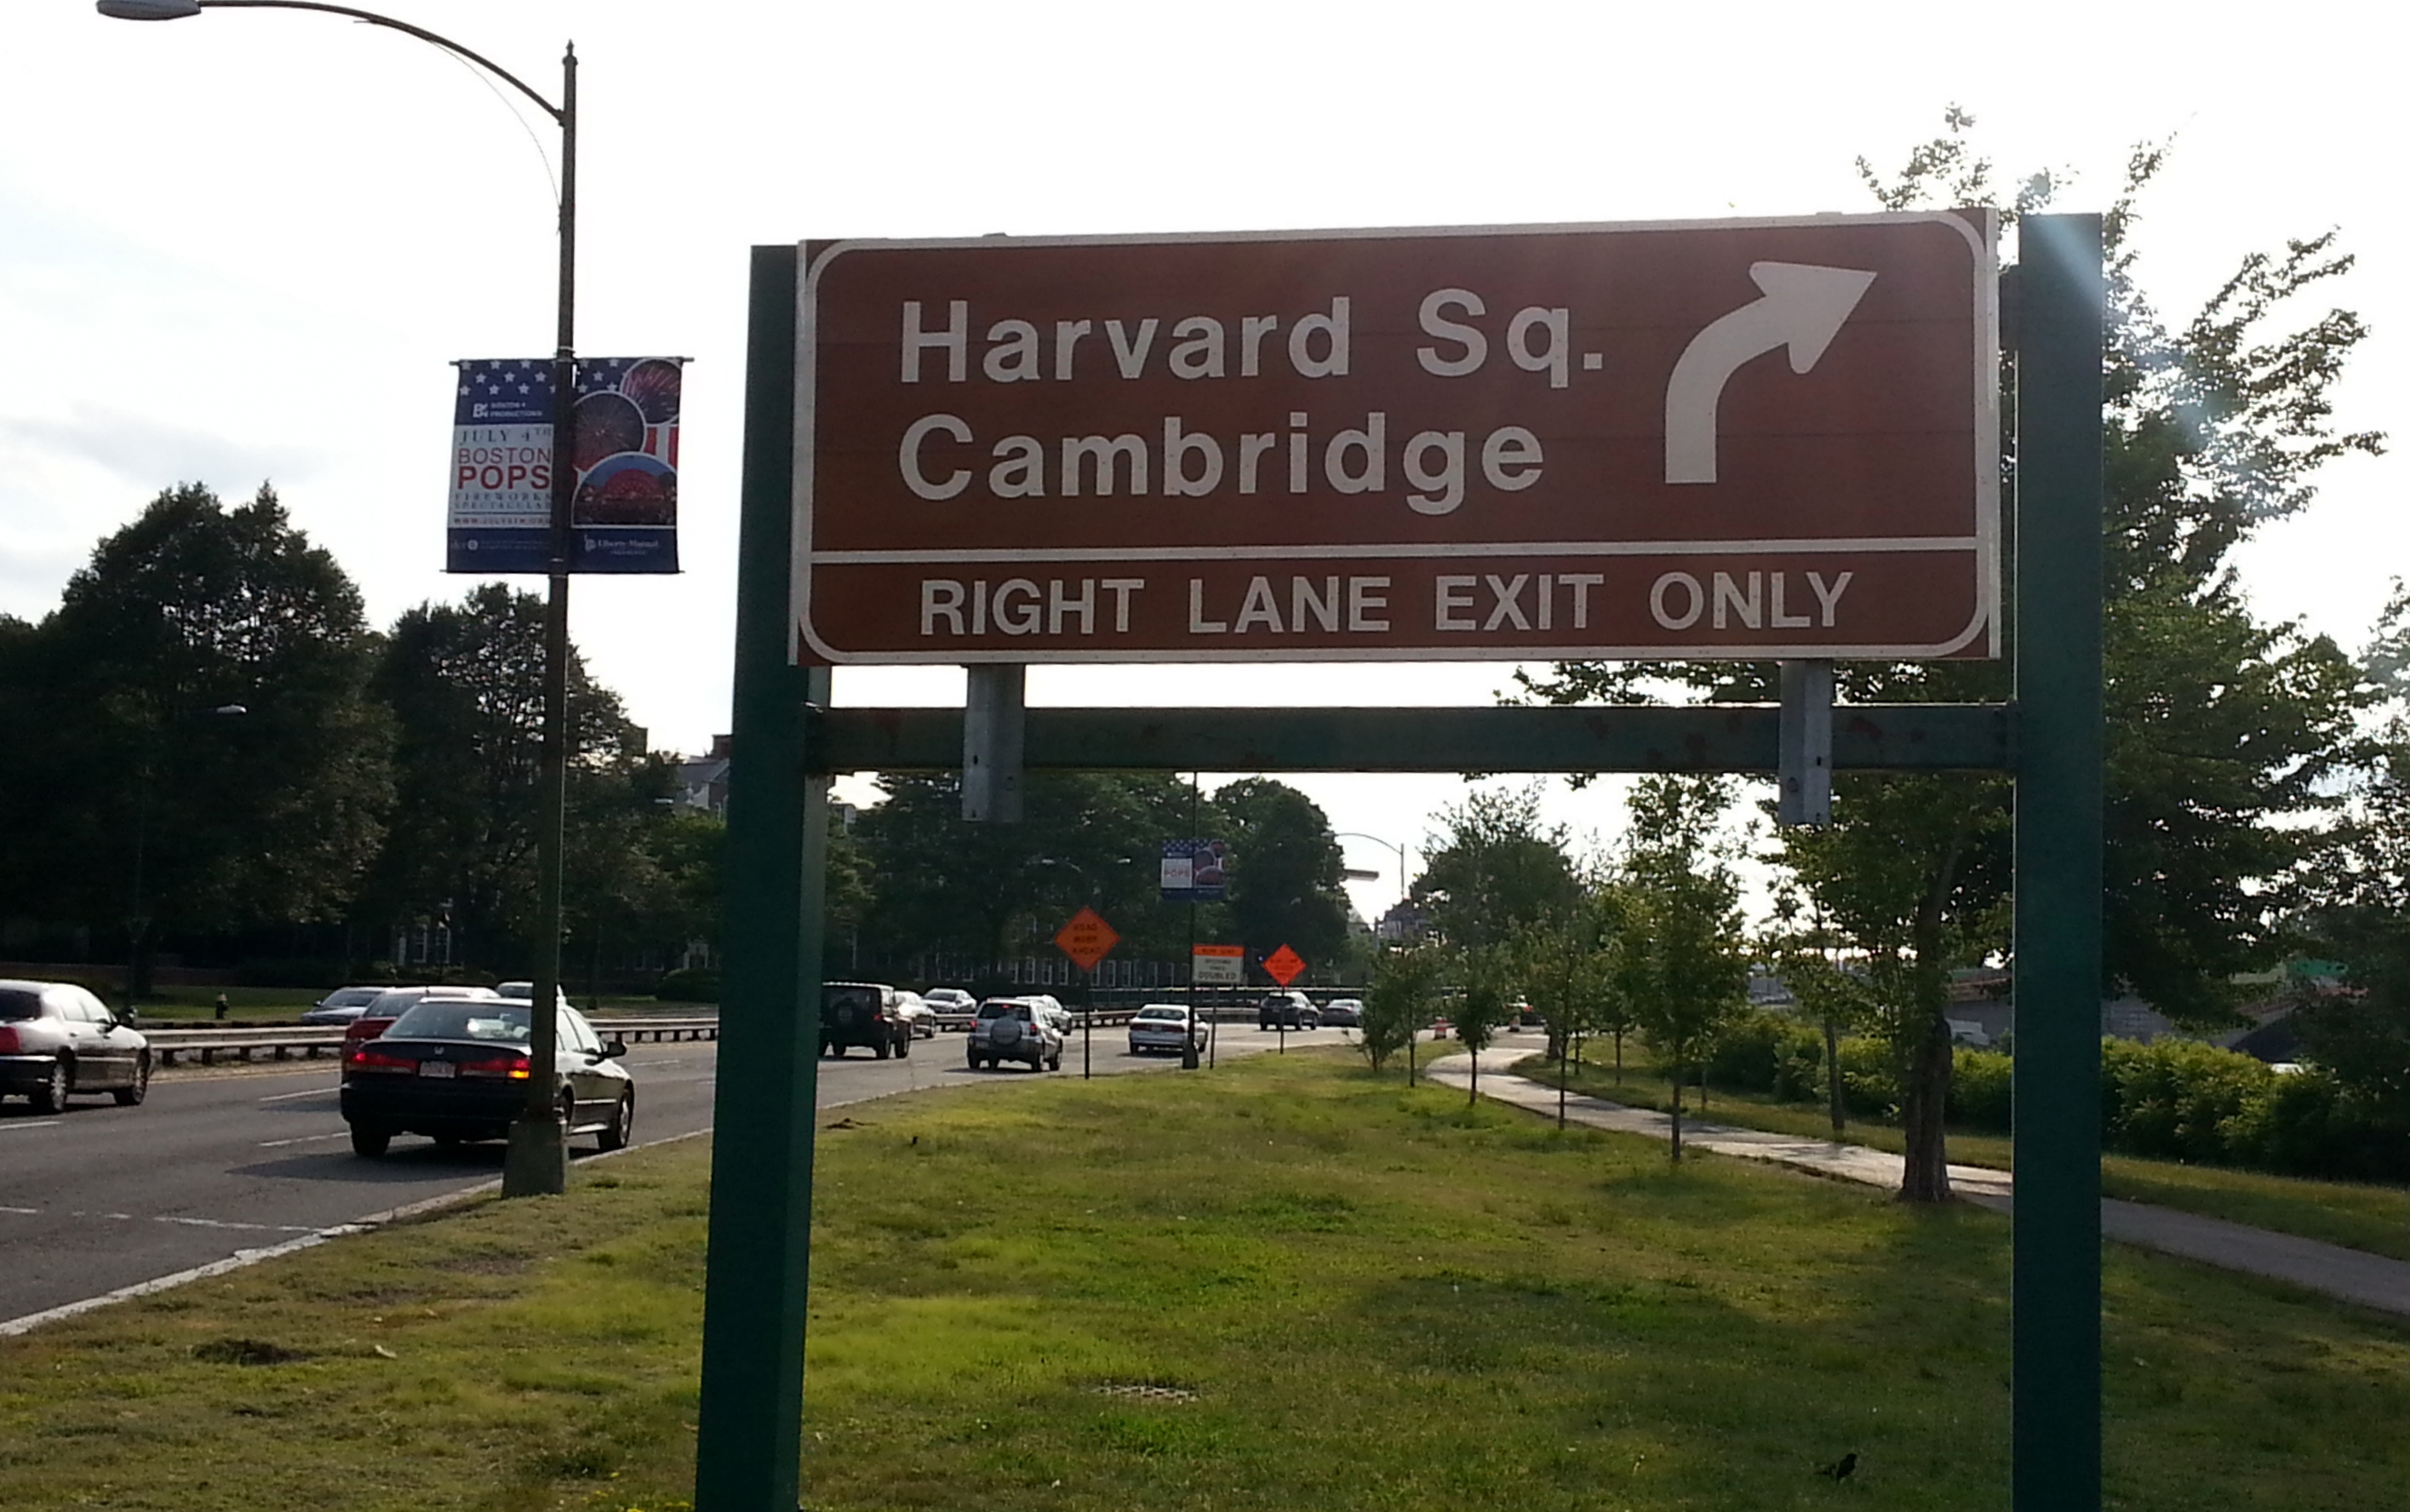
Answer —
(1162, 1016)
(1004, 1010)
(17, 1005)
(351, 997)
(852, 997)
(490, 1020)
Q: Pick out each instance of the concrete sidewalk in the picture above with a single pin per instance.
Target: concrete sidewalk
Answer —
(2353, 1275)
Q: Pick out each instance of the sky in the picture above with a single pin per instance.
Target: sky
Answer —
(246, 246)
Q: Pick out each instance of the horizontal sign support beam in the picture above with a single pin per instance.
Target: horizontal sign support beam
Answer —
(1733, 737)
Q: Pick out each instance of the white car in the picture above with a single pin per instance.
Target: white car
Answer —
(1164, 1027)
(950, 1000)
(916, 1013)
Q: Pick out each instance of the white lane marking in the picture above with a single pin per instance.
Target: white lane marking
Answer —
(313, 1092)
(301, 1138)
(190, 1223)
(244, 1258)
(44, 1123)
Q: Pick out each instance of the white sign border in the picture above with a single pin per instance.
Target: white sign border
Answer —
(1982, 242)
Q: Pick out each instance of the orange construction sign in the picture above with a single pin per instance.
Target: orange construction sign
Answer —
(1086, 938)
(1283, 964)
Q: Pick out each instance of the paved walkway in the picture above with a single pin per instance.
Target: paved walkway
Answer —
(2354, 1275)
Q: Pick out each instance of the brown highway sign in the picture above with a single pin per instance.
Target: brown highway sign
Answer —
(1703, 439)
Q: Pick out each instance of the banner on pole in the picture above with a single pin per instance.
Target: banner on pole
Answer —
(1196, 871)
(625, 446)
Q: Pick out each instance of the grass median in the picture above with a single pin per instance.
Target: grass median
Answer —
(2356, 1214)
(1284, 1285)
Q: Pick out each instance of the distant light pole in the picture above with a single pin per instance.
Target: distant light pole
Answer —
(538, 1162)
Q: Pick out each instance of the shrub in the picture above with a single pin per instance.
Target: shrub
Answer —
(684, 986)
(2176, 1099)
(1980, 1089)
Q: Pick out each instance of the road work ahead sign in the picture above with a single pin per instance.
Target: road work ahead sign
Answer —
(1708, 439)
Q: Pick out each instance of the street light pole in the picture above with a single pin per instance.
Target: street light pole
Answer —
(538, 1162)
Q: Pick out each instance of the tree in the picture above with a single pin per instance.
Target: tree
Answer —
(1402, 997)
(1497, 867)
(2223, 734)
(1801, 952)
(1487, 976)
(1678, 958)
(202, 690)
(1285, 871)
(988, 891)
(465, 683)
(1563, 961)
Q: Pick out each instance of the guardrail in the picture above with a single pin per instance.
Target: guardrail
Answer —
(209, 1045)
(1102, 1018)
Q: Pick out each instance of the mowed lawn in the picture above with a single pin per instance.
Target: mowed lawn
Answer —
(1285, 1283)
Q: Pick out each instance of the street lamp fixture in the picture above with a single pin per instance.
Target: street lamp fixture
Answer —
(538, 1162)
(1391, 846)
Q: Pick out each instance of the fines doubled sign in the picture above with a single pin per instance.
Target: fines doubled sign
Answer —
(1709, 439)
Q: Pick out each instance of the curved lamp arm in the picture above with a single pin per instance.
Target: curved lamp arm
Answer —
(179, 9)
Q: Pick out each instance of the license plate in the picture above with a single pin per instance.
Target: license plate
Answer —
(437, 1068)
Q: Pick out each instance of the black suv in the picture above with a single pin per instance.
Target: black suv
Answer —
(863, 1014)
(1287, 1010)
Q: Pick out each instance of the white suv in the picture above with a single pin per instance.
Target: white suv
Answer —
(1028, 1029)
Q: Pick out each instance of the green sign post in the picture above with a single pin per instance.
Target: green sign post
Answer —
(788, 742)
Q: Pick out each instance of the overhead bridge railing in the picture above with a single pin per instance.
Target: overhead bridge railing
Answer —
(1711, 738)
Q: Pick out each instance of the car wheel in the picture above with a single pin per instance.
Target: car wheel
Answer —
(622, 1126)
(904, 1046)
(881, 1050)
(974, 1059)
(50, 1096)
(128, 1095)
(370, 1144)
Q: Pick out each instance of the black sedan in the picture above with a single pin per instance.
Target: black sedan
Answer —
(457, 1069)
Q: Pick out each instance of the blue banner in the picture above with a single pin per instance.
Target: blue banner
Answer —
(624, 444)
(1196, 871)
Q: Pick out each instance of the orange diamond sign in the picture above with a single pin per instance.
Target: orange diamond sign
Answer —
(1086, 938)
(1283, 964)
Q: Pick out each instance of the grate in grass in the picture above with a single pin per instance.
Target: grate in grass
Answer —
(1148, 1393)
(245, 1352)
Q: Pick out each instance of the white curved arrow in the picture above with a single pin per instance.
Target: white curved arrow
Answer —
(1802, 309)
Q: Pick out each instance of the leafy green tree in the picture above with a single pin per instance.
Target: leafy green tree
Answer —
(1402, 998)
(1679, 959)
(202, 692)
(1487, 978)
(989, 891)
(1802, 953)
(2223, 734)
(465, 684)
(1562, 964)
(1285, 873)
(1495, 867)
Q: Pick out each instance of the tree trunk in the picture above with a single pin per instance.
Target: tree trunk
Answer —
(1833, 1079)
(1677, 1113)
(1926, 1095)
(1618, 1057)
(1474, 1094)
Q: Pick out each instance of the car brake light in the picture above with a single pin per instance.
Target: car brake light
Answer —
(365, 1060)
(513, 1067)
(7, 1040)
